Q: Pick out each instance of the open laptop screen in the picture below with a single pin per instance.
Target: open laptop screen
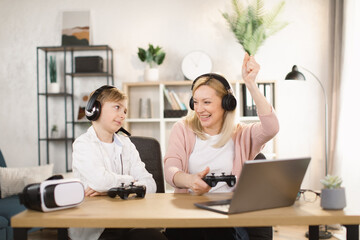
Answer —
(264, 184)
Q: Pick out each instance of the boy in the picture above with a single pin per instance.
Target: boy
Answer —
(102, 159)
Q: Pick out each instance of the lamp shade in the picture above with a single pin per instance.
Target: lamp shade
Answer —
(295, 74)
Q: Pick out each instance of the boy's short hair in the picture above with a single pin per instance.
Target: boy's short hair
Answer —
(110, 95)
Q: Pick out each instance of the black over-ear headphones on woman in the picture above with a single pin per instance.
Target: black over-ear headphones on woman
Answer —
(228, 102)
(93, 108)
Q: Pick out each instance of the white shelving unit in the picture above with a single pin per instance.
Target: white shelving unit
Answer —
(157, 125)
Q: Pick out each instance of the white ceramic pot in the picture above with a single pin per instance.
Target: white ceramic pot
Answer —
(151, 74)
(54, 87)
(333, 199)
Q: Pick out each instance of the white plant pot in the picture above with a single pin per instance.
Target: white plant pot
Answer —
(54, 87)
(151, 74)
(333, 199)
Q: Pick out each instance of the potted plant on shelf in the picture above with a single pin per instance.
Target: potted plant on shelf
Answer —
(54, 131)
(154, 57)
(54, 86)
(252, 26)
(332, 195)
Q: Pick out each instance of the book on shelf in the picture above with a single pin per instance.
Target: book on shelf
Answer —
(174, 100)
(174, 104)
(167, 96)
(249, 107)
(177, 99)
(170, 99)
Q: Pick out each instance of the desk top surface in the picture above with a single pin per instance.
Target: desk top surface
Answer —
(178, 210)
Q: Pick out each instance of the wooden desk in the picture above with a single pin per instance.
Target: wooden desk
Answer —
(178, 210)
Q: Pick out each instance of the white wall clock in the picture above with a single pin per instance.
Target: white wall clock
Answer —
(196, 63)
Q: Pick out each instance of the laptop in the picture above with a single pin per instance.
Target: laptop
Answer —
(263, 184)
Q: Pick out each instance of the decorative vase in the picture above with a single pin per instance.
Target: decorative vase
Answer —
(54, 87)
(145, 108)
(333, 199)
(151, 74)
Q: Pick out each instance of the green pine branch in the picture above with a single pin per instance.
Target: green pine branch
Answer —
(252, 25)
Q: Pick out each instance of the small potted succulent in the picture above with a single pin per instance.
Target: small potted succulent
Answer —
(332, 195)
(154, 57)
(54, 86)
(54, 131)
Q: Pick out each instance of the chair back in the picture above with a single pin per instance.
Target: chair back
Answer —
(150, 153)
(260, 156)
(2, 160)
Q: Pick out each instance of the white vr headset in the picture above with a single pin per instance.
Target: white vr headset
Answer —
(52, 195)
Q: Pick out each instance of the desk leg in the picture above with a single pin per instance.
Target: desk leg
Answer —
(352, 232)
(313, 232)
(62, 234)
(20, 233)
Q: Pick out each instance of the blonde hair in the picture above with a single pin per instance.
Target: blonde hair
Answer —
(110, 95)
(228, 125)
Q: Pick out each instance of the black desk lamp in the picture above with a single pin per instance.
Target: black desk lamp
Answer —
(296, 75)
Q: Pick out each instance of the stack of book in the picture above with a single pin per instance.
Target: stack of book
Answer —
(267, 90)
(178, 108)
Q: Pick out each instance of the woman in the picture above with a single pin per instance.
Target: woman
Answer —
(208, 140)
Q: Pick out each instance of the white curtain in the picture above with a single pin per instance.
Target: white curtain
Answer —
(346, 161)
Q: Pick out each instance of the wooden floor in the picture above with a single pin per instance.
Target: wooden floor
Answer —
(280, 233)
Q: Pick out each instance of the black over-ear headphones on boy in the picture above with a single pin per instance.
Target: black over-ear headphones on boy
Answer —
(228, 102)
(93, 108)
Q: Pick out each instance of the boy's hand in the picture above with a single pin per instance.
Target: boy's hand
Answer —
(89, 192)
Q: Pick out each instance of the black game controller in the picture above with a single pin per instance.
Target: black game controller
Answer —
(212, 180)
(124, 191)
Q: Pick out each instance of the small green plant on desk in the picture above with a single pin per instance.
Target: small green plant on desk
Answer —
(331, 182)
(332, 195)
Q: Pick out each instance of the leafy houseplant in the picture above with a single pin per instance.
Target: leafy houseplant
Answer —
(154, 57)
(252, 26)
(332, 195)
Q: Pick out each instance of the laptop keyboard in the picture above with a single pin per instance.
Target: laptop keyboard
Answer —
(222, 207)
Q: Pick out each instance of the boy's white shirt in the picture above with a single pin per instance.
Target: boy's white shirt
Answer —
(92, 165)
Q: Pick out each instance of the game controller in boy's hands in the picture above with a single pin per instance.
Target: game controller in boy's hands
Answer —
(212, 180)
(124, 191)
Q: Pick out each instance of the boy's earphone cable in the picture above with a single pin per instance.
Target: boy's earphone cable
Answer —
(124, 131)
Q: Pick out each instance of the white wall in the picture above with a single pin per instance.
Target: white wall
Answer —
(179, 26)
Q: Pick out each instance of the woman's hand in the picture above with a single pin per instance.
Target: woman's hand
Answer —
(197, 185)
(192, 181)
(250, 69)
(89, 192)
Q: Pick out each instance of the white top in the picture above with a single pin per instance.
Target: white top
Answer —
(115, 159)
(94, 167)
(102, 166)
(219, 160)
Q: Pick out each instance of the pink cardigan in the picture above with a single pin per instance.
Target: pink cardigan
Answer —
(249, 139)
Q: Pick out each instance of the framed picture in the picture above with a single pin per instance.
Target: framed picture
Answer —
(76, 29)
